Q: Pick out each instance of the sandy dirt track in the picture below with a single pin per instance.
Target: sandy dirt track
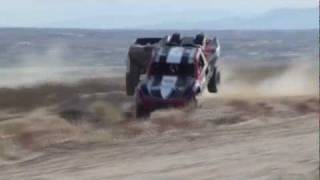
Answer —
(226, 138)
(65, 116)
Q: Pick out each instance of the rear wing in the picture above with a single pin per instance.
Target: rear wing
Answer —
(147, 41)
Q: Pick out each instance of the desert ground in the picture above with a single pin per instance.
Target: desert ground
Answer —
(262, 125)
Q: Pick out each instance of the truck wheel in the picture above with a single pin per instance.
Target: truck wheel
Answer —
(218, 79)
(141, 112)
(193, 103)
(212, 85)
(132, 79)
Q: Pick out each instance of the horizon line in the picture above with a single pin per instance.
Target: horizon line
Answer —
(159, 29)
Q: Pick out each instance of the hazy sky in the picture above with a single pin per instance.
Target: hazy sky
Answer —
(42, 13)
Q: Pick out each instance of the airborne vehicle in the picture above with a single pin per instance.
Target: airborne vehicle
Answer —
(176, 69)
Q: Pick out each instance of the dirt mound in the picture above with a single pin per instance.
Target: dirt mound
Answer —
(26, 98)
(96, 108)
(273, 136)
(270, 132)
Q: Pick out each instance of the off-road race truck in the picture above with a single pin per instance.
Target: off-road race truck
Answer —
(177, 70)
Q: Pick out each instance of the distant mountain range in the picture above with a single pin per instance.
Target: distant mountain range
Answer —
(275, 19)
(305, 18)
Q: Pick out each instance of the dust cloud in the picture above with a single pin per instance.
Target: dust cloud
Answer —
(293, 79)
(51, 65)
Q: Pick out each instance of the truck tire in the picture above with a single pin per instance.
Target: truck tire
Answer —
(218, 79)
(141, 112)
(193, 103)
(213, 82)
(132, 79)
